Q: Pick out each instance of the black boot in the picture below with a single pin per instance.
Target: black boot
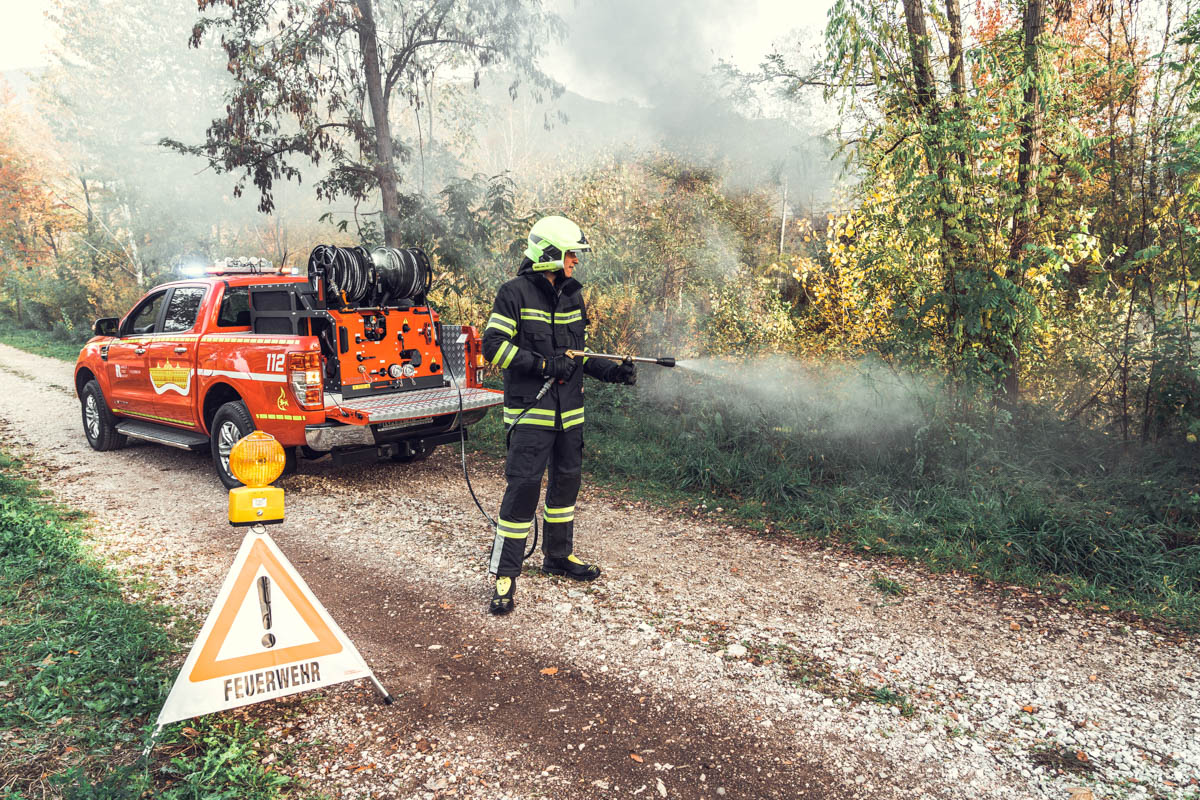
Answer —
(503, 596)
(571, 567)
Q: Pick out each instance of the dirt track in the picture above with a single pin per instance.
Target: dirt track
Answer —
(729, 664)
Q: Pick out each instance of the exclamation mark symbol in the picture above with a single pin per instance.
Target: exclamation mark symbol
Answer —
(264, 603)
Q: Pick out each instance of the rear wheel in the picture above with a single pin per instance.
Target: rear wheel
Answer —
(231, 422)
(99, 425)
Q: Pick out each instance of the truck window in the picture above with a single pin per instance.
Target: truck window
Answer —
(235, 308)
(182, 309)
(144, 316)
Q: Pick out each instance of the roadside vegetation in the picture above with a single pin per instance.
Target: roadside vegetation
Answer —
(60, 345)
(84, 670)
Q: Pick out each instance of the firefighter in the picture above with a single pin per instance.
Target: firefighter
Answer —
(537, 316)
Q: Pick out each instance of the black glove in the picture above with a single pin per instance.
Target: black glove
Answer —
(625, 372)
(559, 368)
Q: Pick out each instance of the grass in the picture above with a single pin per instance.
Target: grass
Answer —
(888, 586)
(1033, 501)
(44, 343)
(83, 672)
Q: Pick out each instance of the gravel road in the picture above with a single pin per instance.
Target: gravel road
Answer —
(708, 661)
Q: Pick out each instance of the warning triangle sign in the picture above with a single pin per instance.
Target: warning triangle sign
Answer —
(266, 636)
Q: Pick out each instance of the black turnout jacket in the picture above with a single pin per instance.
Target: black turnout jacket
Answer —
(534, 320)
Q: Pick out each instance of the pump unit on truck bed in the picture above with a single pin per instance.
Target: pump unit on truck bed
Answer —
(348, 360)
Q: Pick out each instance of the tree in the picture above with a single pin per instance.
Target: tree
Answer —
(316, 81)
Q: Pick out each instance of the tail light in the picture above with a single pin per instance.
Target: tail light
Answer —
(305, 372)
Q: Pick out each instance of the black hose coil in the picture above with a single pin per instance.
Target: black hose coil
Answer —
(356, 277)
(402, 273)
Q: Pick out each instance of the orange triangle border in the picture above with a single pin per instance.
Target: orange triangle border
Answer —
(207, 667)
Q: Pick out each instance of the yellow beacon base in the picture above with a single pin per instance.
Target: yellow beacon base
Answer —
(255, 505)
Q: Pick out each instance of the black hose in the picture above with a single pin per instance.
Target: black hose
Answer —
(354, 277)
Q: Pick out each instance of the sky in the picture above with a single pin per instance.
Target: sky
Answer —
(26, 35)
(611, 44)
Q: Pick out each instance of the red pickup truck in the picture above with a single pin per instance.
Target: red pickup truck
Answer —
(348, 360)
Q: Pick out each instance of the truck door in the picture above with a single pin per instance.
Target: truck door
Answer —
(171, 357)
(128, 380)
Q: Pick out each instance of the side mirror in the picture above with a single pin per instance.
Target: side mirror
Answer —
(106, 326)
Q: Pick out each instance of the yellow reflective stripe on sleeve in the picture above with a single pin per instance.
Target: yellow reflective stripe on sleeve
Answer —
(512, 351)
(501, 324)
(496, 317)
(504, 354)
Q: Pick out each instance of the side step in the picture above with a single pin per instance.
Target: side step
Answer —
(162, 434)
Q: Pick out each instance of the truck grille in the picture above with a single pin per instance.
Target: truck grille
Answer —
(407, 405)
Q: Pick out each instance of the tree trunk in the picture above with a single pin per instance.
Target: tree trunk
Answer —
(918, 37)
(958, 81)
(385, 166)
(1030, 135)
(927, 106)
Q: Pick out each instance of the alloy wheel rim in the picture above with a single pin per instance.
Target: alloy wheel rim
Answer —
(91, 415)
(227, 436)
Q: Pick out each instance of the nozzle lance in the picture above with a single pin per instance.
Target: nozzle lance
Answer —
(663, 361)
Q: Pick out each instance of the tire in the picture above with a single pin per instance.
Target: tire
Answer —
(99, 424)
(231, 422)
(415, 453)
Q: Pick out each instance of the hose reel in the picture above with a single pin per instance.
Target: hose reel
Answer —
(353, 277)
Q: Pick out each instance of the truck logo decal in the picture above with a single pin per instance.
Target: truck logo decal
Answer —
(282, 401)
(168, 376)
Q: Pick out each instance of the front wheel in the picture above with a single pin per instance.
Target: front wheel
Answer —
(99, 425)
(231, 422)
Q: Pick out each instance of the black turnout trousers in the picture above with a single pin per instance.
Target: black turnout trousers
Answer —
(531, 448)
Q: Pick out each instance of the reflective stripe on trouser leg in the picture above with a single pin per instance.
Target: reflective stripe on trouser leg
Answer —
(508, 547)
(528, 452)
(558, 513)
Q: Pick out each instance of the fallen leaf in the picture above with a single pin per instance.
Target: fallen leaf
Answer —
(1081, 756)
(1029, 709)
(636, 757)
(550, 671)
(424, 746)
(1014, 626)
(190, 732)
